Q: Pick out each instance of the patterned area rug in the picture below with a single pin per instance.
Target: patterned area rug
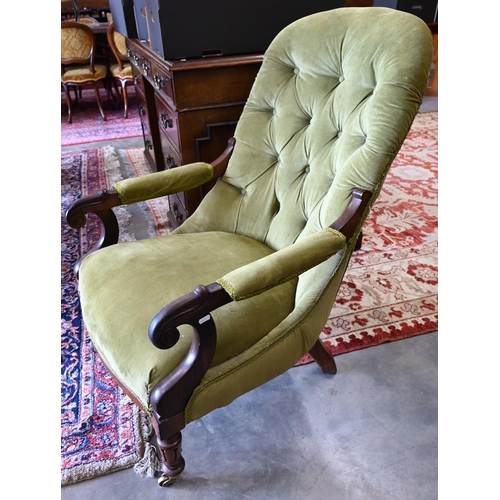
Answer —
(136, 166)
(88, 125)
(390, 289)
(101, 430)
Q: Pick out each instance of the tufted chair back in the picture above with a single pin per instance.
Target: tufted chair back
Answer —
(326, 114)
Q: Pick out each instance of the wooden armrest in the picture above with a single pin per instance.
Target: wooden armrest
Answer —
(348, 222)
(171, 395)
(220, 165)
(99, 204)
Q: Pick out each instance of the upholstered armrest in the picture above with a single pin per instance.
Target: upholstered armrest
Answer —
(283, 265)
(163, 183)
(258, 276)
(195, 308)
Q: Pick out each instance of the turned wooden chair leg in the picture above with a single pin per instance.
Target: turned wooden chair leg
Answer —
(125, 99)
(323, 357)
(172, 460)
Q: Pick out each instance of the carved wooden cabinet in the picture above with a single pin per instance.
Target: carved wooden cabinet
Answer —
(188, 110)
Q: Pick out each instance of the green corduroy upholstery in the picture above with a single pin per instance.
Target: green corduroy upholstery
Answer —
(329, 110)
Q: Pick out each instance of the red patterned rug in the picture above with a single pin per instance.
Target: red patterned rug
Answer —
(88, 125)
(390, 289)
(101, 430)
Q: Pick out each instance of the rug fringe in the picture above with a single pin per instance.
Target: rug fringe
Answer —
(149, 464)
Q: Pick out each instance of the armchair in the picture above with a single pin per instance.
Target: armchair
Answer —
(238, 293)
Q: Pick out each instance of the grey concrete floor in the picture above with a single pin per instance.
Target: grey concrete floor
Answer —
(368, 432)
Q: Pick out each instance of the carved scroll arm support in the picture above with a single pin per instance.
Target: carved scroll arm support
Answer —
(171, 395)
(100, 204)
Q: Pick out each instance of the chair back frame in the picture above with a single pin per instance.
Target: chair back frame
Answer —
(90, 34)
(120, 57)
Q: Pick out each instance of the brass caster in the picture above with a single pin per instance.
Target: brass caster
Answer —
(165, 480)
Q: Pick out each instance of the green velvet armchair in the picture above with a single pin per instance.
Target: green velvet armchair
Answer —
(239, 292)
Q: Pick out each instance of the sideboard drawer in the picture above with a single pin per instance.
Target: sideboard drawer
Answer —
(178, 208)
(162, 83)
(168, 122)
(149, 149)
(177, 214)
(170, 154)
(138, 79)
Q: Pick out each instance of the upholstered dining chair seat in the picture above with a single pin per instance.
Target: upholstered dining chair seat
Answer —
(125, 72)
(83, 74)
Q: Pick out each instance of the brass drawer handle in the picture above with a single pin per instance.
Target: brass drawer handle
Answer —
(136, 59)
(146, 68)
(178, 215)
(159, 82)
(142, 110)
(166, 121)
(129, 53)
(170, 162)
(136, 80)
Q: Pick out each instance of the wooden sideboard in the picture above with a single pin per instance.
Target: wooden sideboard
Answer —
(188, 110)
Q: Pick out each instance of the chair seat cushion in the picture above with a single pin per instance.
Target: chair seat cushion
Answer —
(126, 72)
(122, 287)
(81, 74)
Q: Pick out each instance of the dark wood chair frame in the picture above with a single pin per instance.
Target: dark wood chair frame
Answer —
(120, 58)
(171, 395)
(90, 61)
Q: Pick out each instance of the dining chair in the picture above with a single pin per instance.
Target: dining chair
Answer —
(121, 71)
(78, 67)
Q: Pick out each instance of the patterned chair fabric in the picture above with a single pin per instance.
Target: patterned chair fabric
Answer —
(120, 43)
(76, 42)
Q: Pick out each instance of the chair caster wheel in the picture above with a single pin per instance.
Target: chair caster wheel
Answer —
(165, 480)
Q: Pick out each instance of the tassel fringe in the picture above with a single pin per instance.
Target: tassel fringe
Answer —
(150, 464)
